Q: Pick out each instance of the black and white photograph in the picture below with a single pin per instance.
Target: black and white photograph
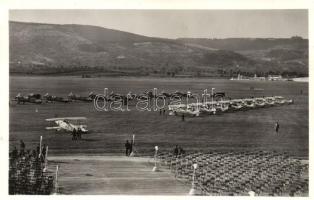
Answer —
(190, 102)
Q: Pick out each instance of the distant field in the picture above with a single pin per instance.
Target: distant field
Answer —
(248, 130)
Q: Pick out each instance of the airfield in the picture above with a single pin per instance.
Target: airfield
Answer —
(103, 149)
(253, 129)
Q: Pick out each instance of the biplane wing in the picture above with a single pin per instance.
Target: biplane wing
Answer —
(66, 118)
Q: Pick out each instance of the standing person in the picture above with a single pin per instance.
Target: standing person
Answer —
(79, 133)
(127, 148)
(176, 151)
(164, 112)
(34, 154)
(14, 153)
(37, 149)
(277, 127)
(182, 152)
(160, 111)
(22, 147)
(131, 148)
(74, 134)
(44, 152)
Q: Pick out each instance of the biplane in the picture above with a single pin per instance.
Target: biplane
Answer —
(68, 124)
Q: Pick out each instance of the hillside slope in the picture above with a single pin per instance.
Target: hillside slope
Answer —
(290, 54)
(67, 49)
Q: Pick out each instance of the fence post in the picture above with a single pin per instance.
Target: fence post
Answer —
(56, 180)
(40, 150)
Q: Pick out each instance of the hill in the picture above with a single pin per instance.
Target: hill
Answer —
(287, 54)
(245, 44)
(82, 49)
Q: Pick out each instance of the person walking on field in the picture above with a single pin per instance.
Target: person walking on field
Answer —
(277, 127)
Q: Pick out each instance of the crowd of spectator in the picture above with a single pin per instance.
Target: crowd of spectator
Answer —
(27, 174)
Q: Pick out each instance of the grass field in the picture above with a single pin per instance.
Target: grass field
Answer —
(253, 129)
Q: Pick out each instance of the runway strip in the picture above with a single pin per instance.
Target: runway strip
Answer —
(114, 175)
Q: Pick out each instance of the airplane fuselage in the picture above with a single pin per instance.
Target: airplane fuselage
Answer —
(64, 125)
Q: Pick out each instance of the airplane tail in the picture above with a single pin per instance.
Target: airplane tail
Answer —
(83, 128)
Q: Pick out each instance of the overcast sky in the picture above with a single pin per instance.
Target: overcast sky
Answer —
(181, 23)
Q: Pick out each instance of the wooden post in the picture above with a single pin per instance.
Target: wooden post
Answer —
(133, 146)
(176, 173)
(46, 161)
(192, 191)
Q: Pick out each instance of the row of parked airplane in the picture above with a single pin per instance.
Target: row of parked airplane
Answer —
(38, 99)
(68, 124)
(216, 107)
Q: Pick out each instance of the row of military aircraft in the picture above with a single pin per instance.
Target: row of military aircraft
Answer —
(217, 107)
(38, 99)
(68, 124)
